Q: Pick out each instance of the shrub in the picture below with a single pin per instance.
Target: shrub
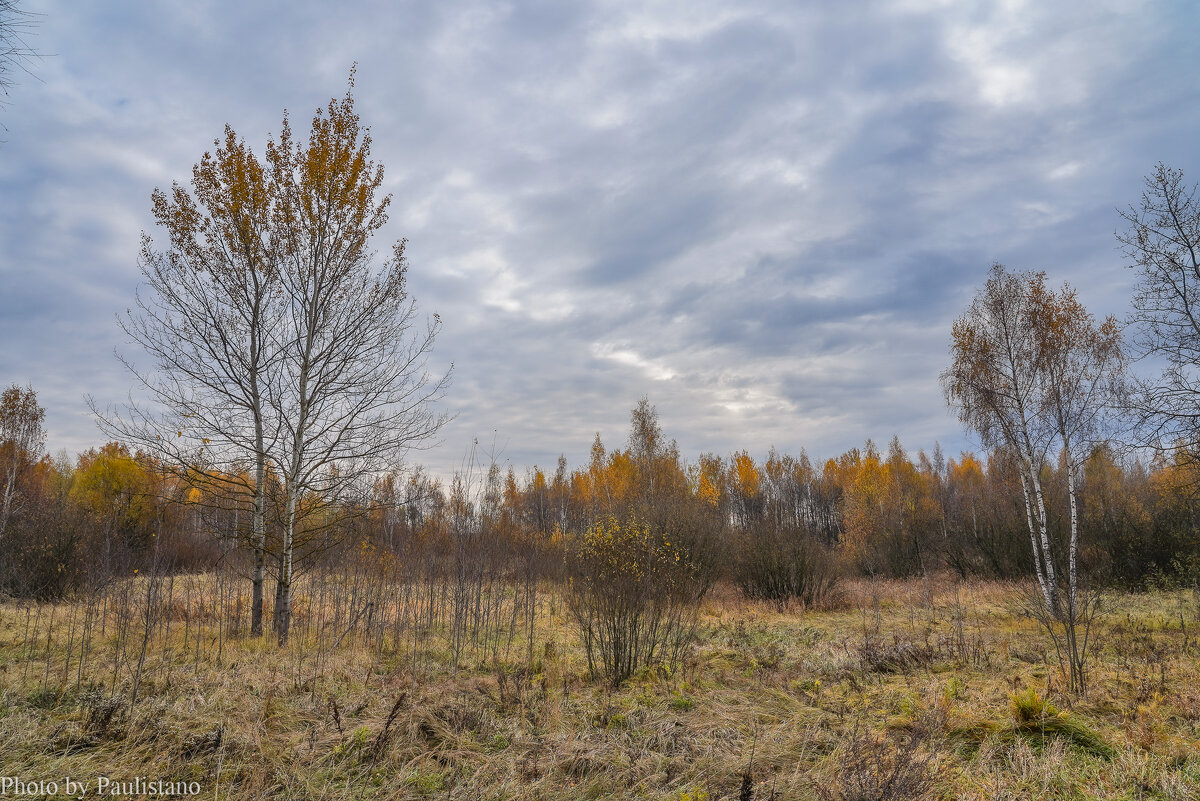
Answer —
(875, 769)
(783, 565)
(46, 549)
(632, 594)
(898, 656)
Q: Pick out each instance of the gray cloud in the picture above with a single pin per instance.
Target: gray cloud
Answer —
(763, 216)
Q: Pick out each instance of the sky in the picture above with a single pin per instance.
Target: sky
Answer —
(763, 216)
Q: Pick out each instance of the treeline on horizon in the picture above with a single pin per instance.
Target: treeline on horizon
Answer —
(772, 525)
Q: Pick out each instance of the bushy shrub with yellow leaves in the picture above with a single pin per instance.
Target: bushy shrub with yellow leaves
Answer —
(632, 593)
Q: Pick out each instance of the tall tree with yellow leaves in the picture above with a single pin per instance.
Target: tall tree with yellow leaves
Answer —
(203, 314)
(352, 393)
(274, 337)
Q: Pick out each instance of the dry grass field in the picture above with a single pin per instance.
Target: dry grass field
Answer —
(905, 690)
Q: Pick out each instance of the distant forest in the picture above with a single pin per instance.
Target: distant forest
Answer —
(868, 511)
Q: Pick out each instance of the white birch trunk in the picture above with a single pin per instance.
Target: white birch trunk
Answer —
(1044, 536)
(1034, 541)
(1072, 569)
(10, 484)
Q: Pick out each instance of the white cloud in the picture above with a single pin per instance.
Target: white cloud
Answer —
(1066, 170)
(626, 356)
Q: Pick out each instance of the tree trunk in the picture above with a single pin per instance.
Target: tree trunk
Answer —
(1044, 536)
(259, 545)
(9, 488)
(1034, 542)
(283, 612)
(1072, 569)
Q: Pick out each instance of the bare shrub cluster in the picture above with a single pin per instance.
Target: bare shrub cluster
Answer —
(784, 565)
(877, 769)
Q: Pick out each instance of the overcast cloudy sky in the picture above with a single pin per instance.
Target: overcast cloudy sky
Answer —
(764, 216)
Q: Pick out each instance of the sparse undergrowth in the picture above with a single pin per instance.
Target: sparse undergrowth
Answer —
(912, 690)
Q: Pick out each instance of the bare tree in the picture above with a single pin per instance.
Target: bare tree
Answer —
(352, 393)
(1163, 240)
(15, 52)
(21, 441)
(202, 317)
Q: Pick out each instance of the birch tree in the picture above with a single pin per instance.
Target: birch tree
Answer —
(1083, 367)
(352, 394)
(274, 338)
(1032, 370)
(21, 441)
(995, 384)
(202, 315)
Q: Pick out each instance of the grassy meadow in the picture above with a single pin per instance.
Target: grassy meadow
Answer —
(925, 688)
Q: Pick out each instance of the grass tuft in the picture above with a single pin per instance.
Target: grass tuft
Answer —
(1036, 718)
